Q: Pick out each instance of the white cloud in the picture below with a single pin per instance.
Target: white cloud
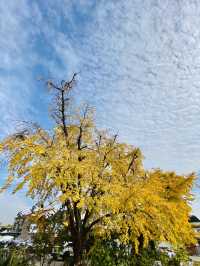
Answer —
(15, 57)
(139, 57)
(140, 68)
(196, 205)
(10, 205)
(139, 64)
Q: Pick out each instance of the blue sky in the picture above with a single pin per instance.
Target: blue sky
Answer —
(139, 64)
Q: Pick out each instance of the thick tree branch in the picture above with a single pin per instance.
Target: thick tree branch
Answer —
(97, 221)
(63, 114)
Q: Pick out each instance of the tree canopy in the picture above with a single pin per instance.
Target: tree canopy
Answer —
(98, 183)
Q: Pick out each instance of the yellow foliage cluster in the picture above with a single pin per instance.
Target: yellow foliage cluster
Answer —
(101, 180)
(99, 183)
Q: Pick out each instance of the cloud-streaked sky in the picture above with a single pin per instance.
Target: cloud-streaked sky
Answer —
(139, 64)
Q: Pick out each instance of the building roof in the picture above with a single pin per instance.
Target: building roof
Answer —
(194, 219)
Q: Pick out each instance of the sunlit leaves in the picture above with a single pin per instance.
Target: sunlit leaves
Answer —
(99, 183)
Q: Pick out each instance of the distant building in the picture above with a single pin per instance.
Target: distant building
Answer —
(195, 222)
(194, 219)
(21, 226)
(195, 249)
(20, 231)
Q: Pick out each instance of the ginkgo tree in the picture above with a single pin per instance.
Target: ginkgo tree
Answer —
(98, 183)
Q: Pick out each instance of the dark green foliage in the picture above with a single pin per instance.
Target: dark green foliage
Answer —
(108, 253)
(14, 257)
(104, 253)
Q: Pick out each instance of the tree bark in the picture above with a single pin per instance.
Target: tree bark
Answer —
(78, 248)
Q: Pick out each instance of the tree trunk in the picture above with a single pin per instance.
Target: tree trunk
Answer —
(78, 252)
(141, 243)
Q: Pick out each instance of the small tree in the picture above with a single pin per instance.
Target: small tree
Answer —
(98, 183)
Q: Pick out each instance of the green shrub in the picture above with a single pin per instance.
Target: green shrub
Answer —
(181, 256)
(108, 253)
(14, 257)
